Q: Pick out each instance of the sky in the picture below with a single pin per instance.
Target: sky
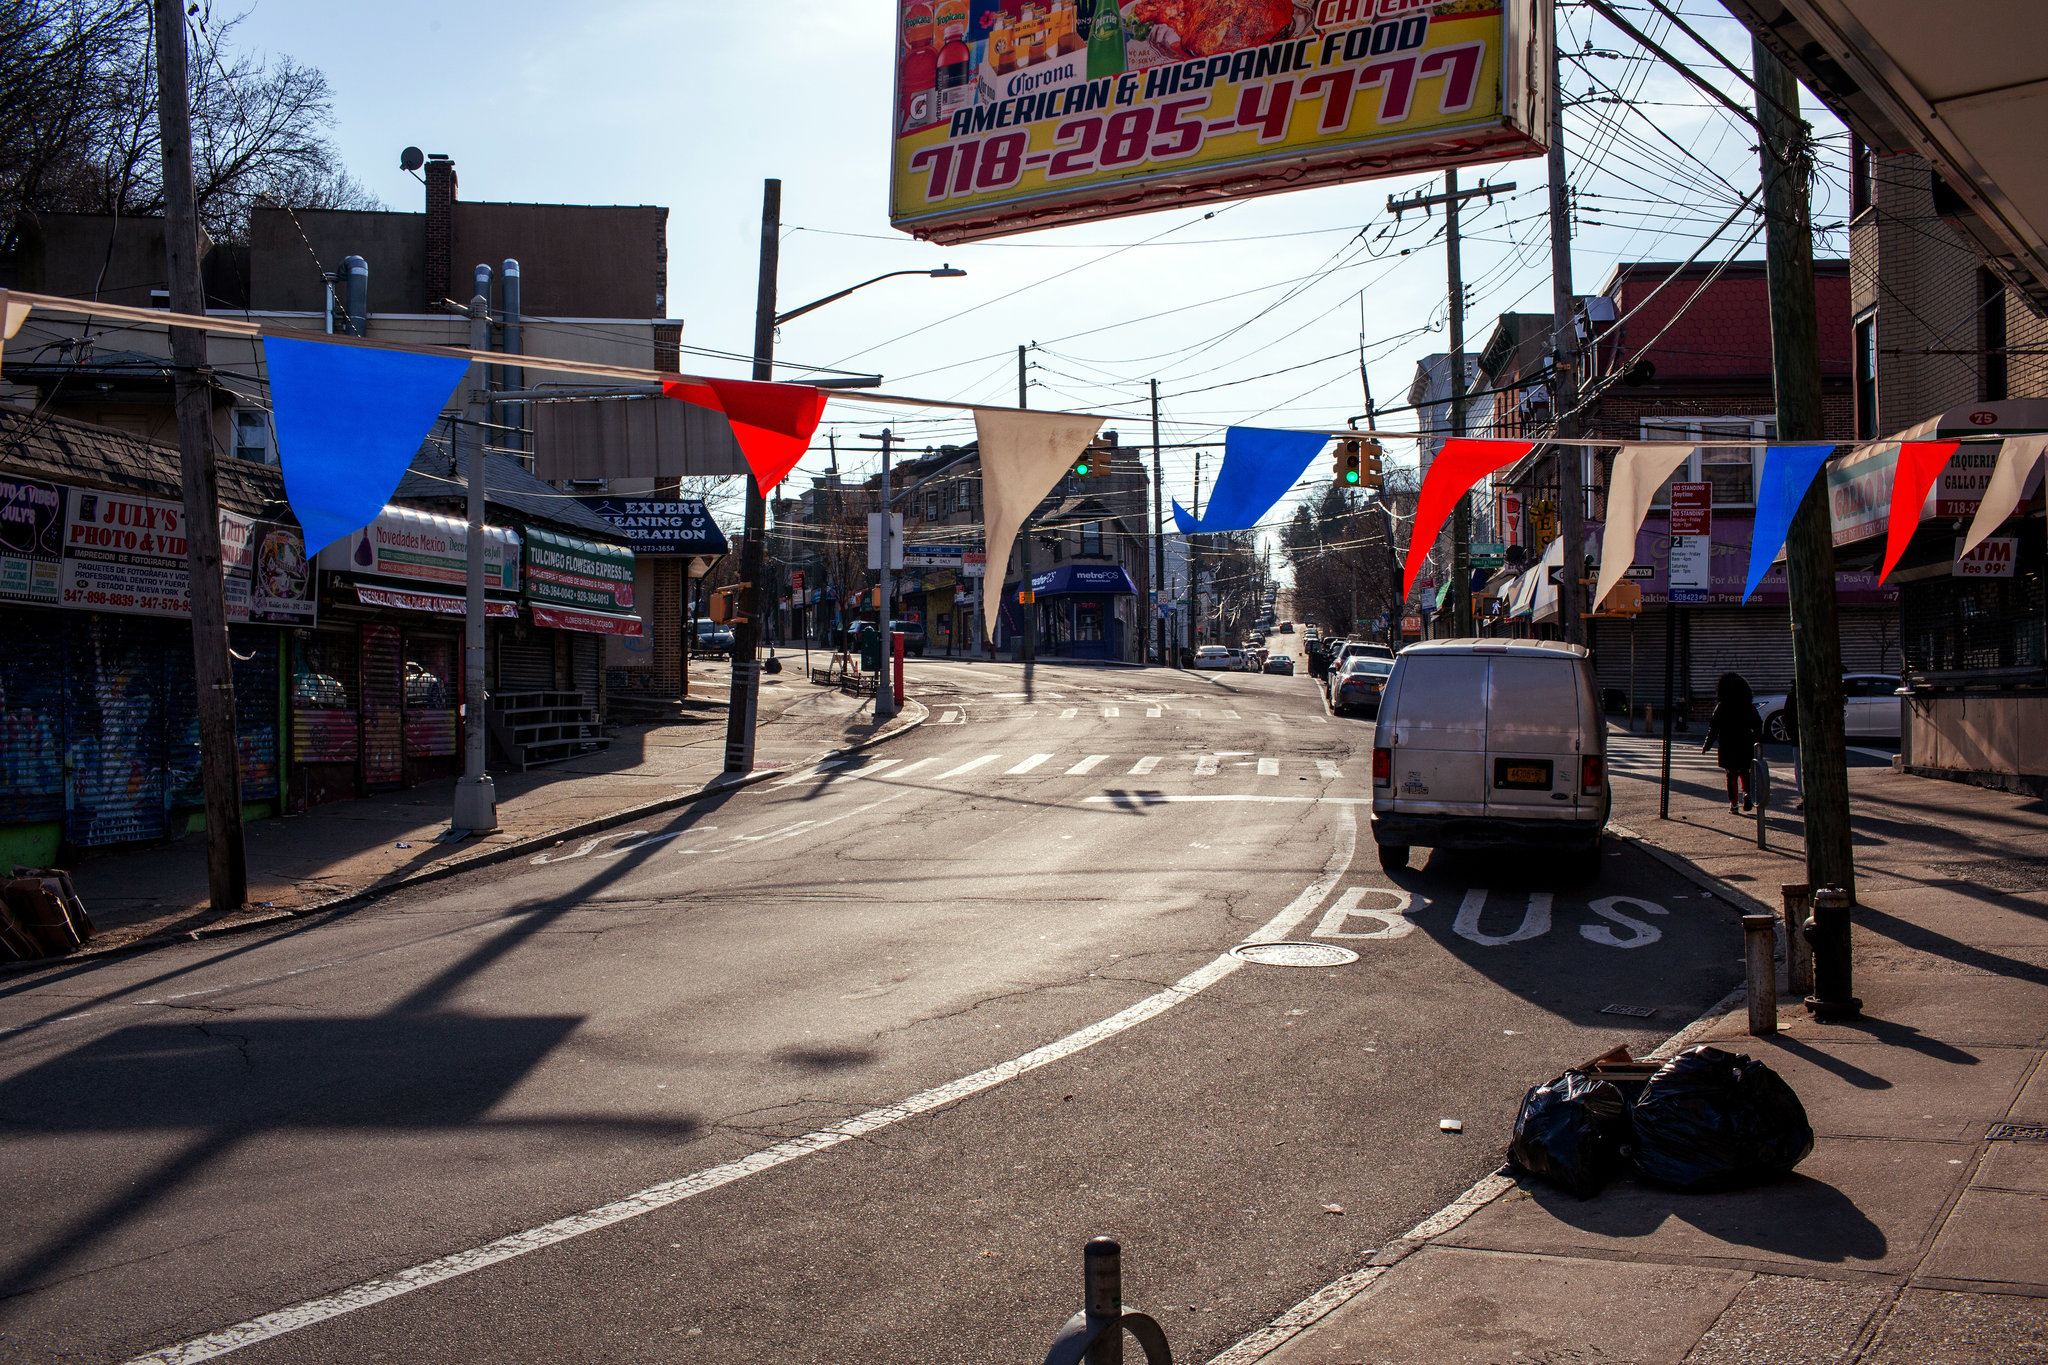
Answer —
(1253, 312)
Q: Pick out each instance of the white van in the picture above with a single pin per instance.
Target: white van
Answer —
(1491, 743)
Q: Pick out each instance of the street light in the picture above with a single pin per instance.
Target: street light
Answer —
(746, 669)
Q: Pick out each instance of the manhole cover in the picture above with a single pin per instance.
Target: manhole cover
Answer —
(1294, 954)
(1632, 1011)
(2018, 1132)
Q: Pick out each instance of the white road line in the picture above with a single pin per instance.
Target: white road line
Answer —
(1320, 720)
(1152, 713)
(1194, 711)
(969, 766)
(1110, 713)
(1228, 715)
(914, 763)
(868, 769)
(1327, 770)
(809, 773)
(1205, 766)
(1085, 764)
(1028, 764)
(1269, 767)
(949, 718)
(1144, 765)
(1168, 798)
(1070, 713)
(372, 1292)
(1274, 716)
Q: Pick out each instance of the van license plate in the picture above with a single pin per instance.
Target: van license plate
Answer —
(1521, 774)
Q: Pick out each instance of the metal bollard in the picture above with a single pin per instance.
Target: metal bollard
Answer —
(1096, 1333)
(1828, 934)
(1798, 952)
(1760, 794)
(1760, 942)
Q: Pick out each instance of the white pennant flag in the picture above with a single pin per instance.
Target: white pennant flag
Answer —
(12, 315)
(1639, 471)
(1023, 456)
(2017, 457)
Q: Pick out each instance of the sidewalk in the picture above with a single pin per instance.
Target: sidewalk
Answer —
(1917, 1231)
(334, 852)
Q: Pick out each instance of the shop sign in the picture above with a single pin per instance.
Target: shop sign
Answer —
(1993, 558)
(397, 599)
(662, 526)
(589, 622)
(281, 577)
(406, 543)
(31, 540)
(569, 572)
(1411, 625)
(127, 554)
(1007, 119)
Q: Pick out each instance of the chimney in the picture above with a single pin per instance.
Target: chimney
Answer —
(440, 263)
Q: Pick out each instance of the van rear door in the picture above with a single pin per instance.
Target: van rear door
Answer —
(1533, 738)
(1439, 735)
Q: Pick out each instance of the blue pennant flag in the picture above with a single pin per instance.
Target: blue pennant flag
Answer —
(1259, 467)
(1788, 472)
(349, 421)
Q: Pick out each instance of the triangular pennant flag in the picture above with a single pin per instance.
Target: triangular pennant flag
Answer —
(1920, 464)
(1259, 466)
(1023, 455)
(349, 421)
(12, 314)
(1639, 471)
(2017, 457)
(1459, 465)
(772, 422)
(1787, 474)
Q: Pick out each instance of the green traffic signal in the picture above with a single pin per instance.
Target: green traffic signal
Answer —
(1351, 476)
(1081, 469)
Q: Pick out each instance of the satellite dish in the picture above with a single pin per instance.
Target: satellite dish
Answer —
(411, 159)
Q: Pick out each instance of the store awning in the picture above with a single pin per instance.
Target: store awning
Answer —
(589, 622)
(404, 599)
(1860, 484)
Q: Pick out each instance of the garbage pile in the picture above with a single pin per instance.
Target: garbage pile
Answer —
(1706, 1120)
(41, 915)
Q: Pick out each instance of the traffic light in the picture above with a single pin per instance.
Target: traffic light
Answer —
(1350, 463)
(1369, 473)
(1084, 466)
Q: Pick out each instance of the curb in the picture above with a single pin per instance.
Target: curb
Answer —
(718, 786)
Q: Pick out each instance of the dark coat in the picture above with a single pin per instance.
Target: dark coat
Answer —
(1738, 730)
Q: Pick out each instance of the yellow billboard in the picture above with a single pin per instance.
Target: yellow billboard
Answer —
(1018, 114)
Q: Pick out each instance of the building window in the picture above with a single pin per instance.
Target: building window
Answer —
(252, 436)
(1865, 382)
(931, 507)
(1730, 467)
(963, 494)
(1862, 173)
(1091, 538)
(1991, 327)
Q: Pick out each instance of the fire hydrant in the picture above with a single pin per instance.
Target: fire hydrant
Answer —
(1828, 934)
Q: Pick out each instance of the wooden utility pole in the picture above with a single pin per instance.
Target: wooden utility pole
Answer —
(1787, 155)
(745, 697)
(1564, 378)
(227, 868)
(1158, 530)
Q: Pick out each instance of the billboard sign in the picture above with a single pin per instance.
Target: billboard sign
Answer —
(1012, 116)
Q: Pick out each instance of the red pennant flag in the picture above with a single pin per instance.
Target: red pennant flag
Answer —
(1920, 464)
(1456, 468)
(772, 422)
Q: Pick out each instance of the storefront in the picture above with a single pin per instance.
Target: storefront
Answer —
(1078, 610)
(1974, 630)
(664, 536)
(583, 592)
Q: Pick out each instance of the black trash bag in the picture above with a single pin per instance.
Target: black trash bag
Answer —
(1571, 1132)
(1714, 1120)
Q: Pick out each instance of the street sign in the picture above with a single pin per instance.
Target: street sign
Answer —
(932, 556)
(1026, 596)
(1692, 509)
(875, 540)
(1640, 571)
(974, 564)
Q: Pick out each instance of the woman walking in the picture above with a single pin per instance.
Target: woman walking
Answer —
(1736, 726)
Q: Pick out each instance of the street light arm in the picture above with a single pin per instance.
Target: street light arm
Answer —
(781, 318)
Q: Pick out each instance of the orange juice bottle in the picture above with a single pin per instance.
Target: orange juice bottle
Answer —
(917, 25)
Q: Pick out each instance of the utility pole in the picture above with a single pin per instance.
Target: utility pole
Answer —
(1461, 519)
(1564, 377)
(885, 680)
(1787, 155)
(1027, 610)
(227, 866)
(745, 701)
(1195, 618)
(1158, 528)
(476, 796)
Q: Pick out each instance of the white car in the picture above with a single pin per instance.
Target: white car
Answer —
(1217, 656)
(1870, 708)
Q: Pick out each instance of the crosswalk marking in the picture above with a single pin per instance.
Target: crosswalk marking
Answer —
(1228, 715)
(1194, 711)
(1085, 764)
(1144, 765)
(1152, 713)
(970, 765)
(816, 770)
(868, 769)
(917, 763)
(1070, 713)
(1109, 713)
(1326, 769)
(1028, 764)
(1269, 767)
(949, 718)
(1205, 766)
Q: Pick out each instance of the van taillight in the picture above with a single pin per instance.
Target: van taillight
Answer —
(1591, 772)
(1382, 767)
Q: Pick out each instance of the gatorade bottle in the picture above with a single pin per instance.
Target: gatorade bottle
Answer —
(1106, 40)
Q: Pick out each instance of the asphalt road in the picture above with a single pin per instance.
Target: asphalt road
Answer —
(242, 1131)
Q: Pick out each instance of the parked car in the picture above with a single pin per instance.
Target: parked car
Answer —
(1282, 664)
(1358, 684)
(1491, 743)
(713, 638)
(1214, 656)
(913, 635)
(1870, 708)
(1287, 627)
(1354, 648)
